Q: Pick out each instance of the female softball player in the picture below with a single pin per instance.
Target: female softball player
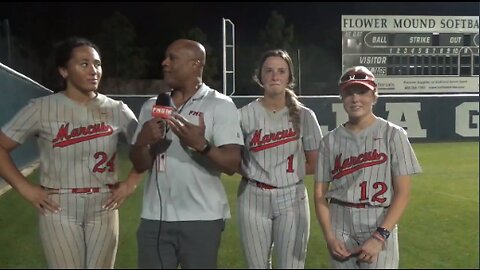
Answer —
(77, 131)
(281, 141)
(363, 179)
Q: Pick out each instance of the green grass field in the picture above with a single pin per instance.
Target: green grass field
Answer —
(439, 229)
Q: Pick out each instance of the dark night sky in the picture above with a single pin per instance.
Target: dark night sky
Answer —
(313, 21)
(157, 24)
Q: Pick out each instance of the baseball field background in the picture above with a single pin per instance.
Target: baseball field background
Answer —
(440, 228)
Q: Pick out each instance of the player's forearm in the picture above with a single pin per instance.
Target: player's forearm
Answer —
(141, 158)
(310, 168)
(399, 202)
(322, 211)
(310, 161)
(227, 158)
(323, 217)
(134, 178)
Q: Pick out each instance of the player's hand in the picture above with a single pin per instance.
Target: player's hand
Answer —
(190, 134)
(152, 131)
(338, 249)
(368, 251)
(39, 198)
(120, 192)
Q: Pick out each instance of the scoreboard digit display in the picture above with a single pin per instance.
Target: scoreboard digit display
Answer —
(414, 54)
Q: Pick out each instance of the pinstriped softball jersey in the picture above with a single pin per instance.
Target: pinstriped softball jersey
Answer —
(272, 155)
(78, 146)
(280, 216)
(75, 140)
(360, 168)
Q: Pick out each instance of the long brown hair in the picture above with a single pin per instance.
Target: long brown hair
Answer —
(291, 99)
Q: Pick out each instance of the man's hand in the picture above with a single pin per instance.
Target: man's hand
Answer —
(152, 131)
(190, 134)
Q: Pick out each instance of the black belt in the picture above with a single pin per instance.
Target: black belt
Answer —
(268, 186)
(348, 204)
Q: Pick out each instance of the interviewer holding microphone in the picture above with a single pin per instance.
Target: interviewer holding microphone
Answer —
(184, 203)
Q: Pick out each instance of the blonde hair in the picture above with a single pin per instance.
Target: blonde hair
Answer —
(291, 99)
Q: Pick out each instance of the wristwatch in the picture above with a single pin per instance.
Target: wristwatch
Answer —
(206, 148)
(383, 232)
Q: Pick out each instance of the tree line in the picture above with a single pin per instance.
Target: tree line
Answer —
(316, 68)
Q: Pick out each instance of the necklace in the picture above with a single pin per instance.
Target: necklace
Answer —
(180, 109)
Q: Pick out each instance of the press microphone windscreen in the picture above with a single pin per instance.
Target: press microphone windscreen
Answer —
(163, 106)
(163, 99)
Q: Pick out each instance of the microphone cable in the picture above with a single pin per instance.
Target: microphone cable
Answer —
(163, 99)
(161, 209)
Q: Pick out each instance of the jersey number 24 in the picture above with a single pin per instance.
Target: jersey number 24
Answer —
(100, 166)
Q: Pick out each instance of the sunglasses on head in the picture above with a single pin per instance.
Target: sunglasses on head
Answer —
(359, 90)
(357, 76)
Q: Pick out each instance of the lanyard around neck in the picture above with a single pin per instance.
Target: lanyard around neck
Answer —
(179, 111)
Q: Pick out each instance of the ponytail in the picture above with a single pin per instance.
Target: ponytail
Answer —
(293, 105)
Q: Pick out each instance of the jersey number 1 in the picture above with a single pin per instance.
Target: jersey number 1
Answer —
(290, 164)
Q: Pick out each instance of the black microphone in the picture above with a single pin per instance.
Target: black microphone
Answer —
(163, 106)
(163, 109)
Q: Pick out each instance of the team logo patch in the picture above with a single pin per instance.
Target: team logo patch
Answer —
(352, 164)
(65, 137)
(270, 140)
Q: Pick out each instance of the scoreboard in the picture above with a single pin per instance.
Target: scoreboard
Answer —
(414, 54)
